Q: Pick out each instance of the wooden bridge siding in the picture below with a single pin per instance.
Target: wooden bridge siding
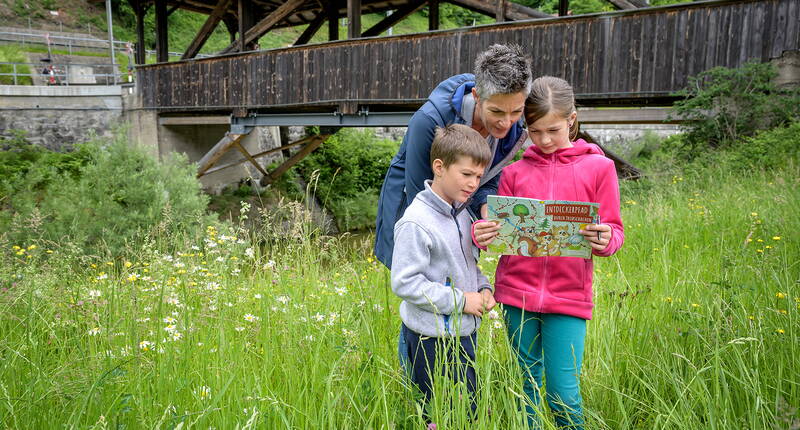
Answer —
(648, 52)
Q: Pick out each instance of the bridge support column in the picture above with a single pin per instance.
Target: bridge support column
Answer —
(162, 44)
(353, 19)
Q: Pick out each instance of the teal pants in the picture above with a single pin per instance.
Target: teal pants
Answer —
(551, 344)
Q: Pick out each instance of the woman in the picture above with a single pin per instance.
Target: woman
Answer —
(491, 101)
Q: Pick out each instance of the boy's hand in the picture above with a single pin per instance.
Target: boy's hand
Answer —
(488, 300)
(473, 304)
(484, 232)
(598, 235)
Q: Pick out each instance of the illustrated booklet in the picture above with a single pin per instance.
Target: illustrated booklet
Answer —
(541, 228)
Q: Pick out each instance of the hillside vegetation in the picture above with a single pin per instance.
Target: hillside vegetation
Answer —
(89, 16)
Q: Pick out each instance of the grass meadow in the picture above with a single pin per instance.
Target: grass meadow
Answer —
(696, 326)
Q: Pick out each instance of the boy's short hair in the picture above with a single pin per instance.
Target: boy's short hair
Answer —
(459, 140)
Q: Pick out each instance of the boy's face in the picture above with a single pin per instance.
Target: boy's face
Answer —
(456, 182)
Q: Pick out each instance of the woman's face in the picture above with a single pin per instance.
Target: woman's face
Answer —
(500, 111)
(551, 132)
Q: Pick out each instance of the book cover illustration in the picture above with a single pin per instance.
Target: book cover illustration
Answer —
(541, 228)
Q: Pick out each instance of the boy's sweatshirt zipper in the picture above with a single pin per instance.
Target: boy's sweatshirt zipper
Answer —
(454, 214)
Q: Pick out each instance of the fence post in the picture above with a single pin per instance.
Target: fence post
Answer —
(15, 74)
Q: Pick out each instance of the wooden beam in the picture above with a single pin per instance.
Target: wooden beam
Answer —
(513, 11)
(353, 19)
(648, 115)
(265, 24)
(394, 18)
(286, 147)
(244, 18)
(206, 30)
(625, 170)
(162, 43)
(313, 144)
(500, 12)
(332, 13)
(139, 10)
(250, 158)
(311, 30)
(622, 4)
(217, 152)
(563, 7)
(433, 15)
(195, 120)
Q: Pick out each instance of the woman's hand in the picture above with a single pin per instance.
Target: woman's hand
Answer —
(598, 235)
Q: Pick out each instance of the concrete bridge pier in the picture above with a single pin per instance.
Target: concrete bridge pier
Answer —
(194, 137)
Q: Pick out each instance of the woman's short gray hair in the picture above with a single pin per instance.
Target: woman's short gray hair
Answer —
(502, 69)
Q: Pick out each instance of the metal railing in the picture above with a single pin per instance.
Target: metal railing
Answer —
(59, 74)
(73, 43)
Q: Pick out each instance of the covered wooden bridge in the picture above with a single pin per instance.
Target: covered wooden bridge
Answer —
(633, 57)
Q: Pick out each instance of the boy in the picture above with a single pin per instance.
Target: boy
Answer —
(434, 269)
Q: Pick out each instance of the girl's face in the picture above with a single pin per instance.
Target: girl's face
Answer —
(551, 132)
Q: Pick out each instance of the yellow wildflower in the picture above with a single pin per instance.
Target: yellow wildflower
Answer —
(31, 248)
(776, 238)
(780, 295)
(780, 331)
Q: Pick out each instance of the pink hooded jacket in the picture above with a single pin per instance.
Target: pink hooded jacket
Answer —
(560, 285)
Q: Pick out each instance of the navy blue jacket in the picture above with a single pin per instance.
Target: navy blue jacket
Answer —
(411, 166)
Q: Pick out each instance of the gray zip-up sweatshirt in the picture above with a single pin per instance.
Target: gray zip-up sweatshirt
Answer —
(433, 265)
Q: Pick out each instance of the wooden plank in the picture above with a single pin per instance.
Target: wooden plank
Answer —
(396, 16)
(263, 26)
(205, 31)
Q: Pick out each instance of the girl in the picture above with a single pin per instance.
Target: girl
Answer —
(547, 300)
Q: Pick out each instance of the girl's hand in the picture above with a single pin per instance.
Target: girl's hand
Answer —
(484, 232)
(598, 235)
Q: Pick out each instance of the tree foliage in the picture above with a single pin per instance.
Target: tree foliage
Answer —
(725, 105)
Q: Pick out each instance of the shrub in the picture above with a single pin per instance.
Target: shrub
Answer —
(117, 196)
(769, 149)
(724, 105)
(351, 165)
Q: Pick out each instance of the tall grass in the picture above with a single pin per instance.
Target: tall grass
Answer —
(696, 326)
